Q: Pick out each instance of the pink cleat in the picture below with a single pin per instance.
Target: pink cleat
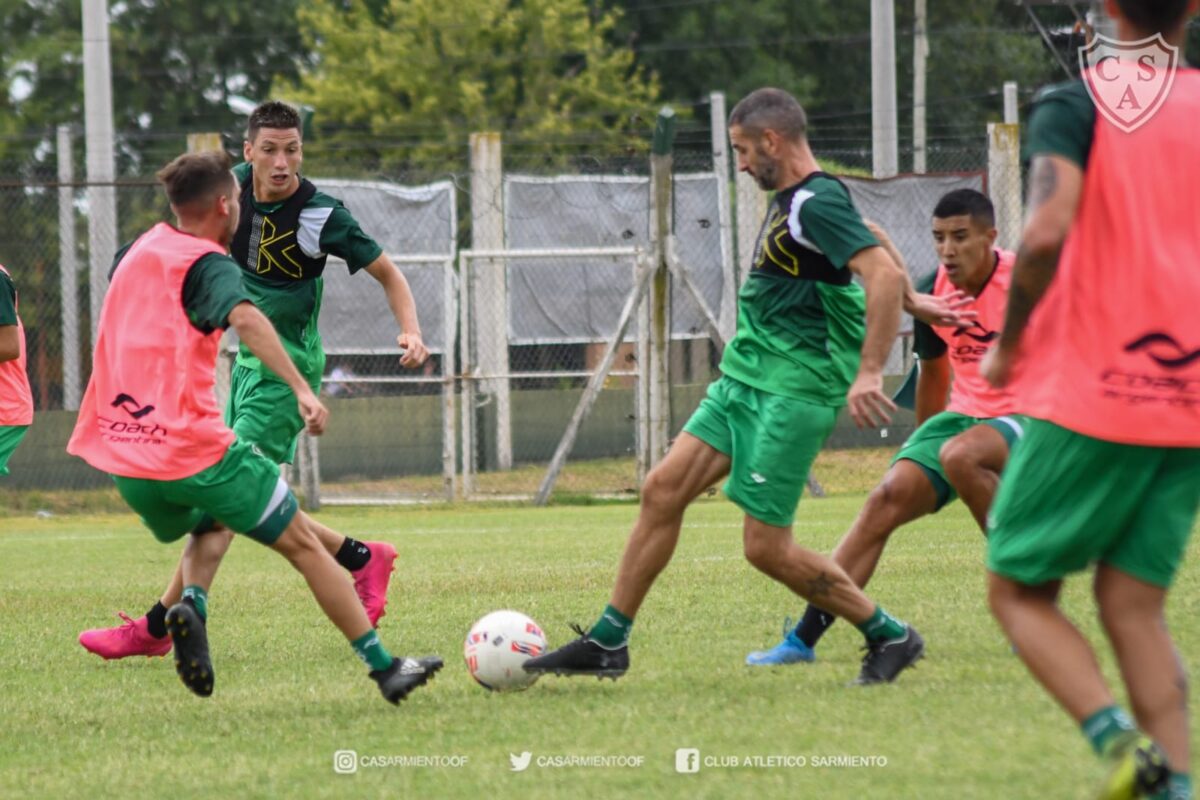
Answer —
(129, 639)
(371, 582)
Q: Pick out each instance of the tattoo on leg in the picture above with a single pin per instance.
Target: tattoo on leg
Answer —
(819, 586)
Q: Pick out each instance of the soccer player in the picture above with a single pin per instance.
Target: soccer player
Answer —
(149, 417)
(286, 230)
(1101, 348)
(800, 353)
(960, 447)
(16, 400)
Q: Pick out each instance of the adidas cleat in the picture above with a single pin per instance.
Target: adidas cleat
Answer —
(404, 675)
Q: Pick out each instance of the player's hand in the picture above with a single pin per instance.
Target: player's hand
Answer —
(869, 406)
(996, 367)
(943, 311)
(878, 232)
(314, 414)
(414, 353)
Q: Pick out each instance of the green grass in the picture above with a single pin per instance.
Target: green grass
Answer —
(968, 722)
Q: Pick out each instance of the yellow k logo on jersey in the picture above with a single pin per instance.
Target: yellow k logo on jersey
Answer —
(274, 255)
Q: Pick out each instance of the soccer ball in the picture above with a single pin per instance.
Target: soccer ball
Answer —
(496, 647)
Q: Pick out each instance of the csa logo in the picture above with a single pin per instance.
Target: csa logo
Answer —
(1128, 81)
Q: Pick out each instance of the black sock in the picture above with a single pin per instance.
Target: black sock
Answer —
(156, 620)
(813, 625)
(353, 555)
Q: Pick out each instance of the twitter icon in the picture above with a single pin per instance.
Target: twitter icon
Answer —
(520, 763)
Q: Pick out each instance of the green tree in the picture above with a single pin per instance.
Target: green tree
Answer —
(405, 80)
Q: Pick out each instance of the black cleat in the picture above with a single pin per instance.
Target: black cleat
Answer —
(404, 675)
(190, 641)
(888, 658)
(584, 656)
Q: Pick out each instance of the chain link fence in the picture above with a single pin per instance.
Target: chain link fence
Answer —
(522, 259)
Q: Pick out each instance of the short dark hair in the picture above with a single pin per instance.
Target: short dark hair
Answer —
(772, 109)
(272, 114)
(974, 204)
(1154, 16)
(194, 179)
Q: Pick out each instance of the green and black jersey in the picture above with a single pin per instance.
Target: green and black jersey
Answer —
(211, 288)
(801, 318)
(8, 301)
(281, 248)
(1062, 123)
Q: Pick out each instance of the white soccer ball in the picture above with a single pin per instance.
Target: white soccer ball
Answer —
(496, 647)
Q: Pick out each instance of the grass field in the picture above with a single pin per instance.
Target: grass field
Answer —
(968, 723)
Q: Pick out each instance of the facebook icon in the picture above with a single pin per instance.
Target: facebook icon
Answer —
(687, 760)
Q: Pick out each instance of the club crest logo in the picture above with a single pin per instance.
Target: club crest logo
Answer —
(1128, 81)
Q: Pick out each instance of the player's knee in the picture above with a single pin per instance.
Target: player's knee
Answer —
(298, 539)
(660, 493)
(958, 460)
(888, 503)
(762, 551)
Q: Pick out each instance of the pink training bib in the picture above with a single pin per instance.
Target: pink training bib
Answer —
(970, 394)
(149, 410)
(1113, 349)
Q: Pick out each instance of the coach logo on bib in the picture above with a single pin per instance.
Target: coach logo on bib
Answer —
(1128, 81)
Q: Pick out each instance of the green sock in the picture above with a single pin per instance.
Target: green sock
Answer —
(372, 652)
(1107, 727)
(199, 599)
(612, 629)
(1179, 786)
(882, 625)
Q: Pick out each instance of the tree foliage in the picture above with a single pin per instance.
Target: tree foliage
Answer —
(416, 76)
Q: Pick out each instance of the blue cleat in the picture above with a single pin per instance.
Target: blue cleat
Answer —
(790, 651)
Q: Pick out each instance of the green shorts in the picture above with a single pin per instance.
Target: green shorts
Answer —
(771, 441)
(10, 437)
(924, 446)
(263, 411)
(243, 490)
(1067, 500)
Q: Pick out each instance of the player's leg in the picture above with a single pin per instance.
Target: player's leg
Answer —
(1132, 613)
(396, 676)
(696, 460)
(263, 411)
(147, 635)
(914, 486)
(1131, 587)
(905, 494)
(892, 645)
(973, 461)
(1064, 502)
(246, 491)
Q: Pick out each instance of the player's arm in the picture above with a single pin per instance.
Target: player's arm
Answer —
(933, 386)
(1055, 184)
(404, 308)
(940, 310)
(884, 283)
(214, 298)
(257, 333)
(10, 340)
(10, 343)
